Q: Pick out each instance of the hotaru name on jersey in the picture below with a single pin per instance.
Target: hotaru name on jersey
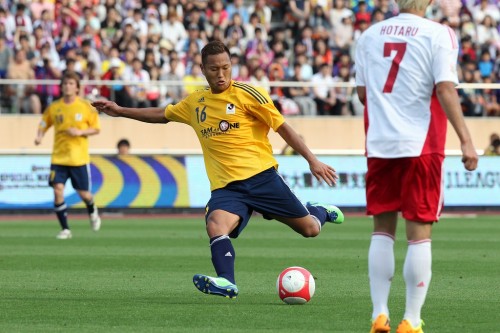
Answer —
(398, 30)
(224, 127)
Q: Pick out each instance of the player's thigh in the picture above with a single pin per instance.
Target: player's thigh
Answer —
(383, 185)
(221, 222)
(422, 197)
(227, 211)
(273, 198)
(59, 174)
(80, 177)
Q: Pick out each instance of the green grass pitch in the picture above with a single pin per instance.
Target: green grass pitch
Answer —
(135, 275)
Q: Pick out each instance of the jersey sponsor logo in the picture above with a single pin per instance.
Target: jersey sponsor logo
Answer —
(223, 128)
(230, 108)
(78, 117)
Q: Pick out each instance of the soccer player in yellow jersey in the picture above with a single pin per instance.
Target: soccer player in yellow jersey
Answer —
(232, 121)
(73, 119)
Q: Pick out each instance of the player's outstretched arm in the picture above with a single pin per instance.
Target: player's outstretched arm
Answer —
(319, 169)
(448, 99)
(147, 115)
(39, 136)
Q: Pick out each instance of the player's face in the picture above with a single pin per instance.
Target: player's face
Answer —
(217, 71)
(69, 88)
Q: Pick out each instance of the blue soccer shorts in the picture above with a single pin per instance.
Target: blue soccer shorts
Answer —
(79, 175)
(266, 193)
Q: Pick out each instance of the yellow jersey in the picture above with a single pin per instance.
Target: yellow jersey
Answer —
(69, 150)
(232, 128)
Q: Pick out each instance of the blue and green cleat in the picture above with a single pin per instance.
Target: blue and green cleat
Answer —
(333, 213)
(215, 286)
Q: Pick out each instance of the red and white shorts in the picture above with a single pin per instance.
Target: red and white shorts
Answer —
(411, 185)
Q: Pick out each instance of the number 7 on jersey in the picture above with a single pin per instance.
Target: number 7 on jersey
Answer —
(400, 49)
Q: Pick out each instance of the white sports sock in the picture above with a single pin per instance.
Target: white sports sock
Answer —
(417, 273)
(380, 271)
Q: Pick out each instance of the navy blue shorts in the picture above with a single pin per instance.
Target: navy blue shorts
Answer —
(79, 175)
(266, 193)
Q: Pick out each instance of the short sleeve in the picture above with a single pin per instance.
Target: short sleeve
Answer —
(267, 112)
(444, 64)
(359, 63)
(179, 112)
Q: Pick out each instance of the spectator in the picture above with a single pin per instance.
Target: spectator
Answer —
(297, 14)
(217, 15)
(338, 12)
(344, 94)
(46, 21)
(24, 98)
(172, 29)
(193, 36)
(252, 26)
(22, 19)
(263, 12)
(301, 93)
(238, 6)
(494, 145)
(123, 147)
(483, 9)
(110, 26)
(89, 18)
(5, 55)
(319, 18)
(46, 70)
(488, 36)
(116, 92)
(259, 78)
(174, 92)
(323, 91)
(342, 36)
(243, 74)
(192, 81)
(140, 79)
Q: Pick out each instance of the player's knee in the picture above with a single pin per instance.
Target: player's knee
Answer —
(311, 230)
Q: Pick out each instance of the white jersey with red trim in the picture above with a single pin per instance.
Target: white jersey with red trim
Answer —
(399, 61)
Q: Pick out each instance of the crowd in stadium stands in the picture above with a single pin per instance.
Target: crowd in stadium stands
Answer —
(160, 40)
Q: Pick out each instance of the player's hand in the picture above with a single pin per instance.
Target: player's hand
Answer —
(108, 107)
(73, 131)
(324, 172)
(469, 156)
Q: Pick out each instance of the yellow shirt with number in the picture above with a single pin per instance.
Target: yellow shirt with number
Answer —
(69, 150)
(232, 128)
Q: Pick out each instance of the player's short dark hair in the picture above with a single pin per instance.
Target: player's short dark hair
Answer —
(213, 48)
(123, 142)
(70, 75)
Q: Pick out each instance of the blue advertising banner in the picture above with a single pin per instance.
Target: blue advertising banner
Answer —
(163, 182)
(117, 182)
(461, 187)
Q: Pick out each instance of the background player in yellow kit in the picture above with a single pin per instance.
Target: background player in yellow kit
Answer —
(232, 121)
(73, 119)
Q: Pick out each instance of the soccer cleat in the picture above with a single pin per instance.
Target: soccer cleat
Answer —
(333, 213)
(380, 324)
(215, 286)
(95, 220)
(64, 234)
(406, 327)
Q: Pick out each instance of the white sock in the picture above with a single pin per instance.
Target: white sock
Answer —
(417, 273)
(380, 271)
